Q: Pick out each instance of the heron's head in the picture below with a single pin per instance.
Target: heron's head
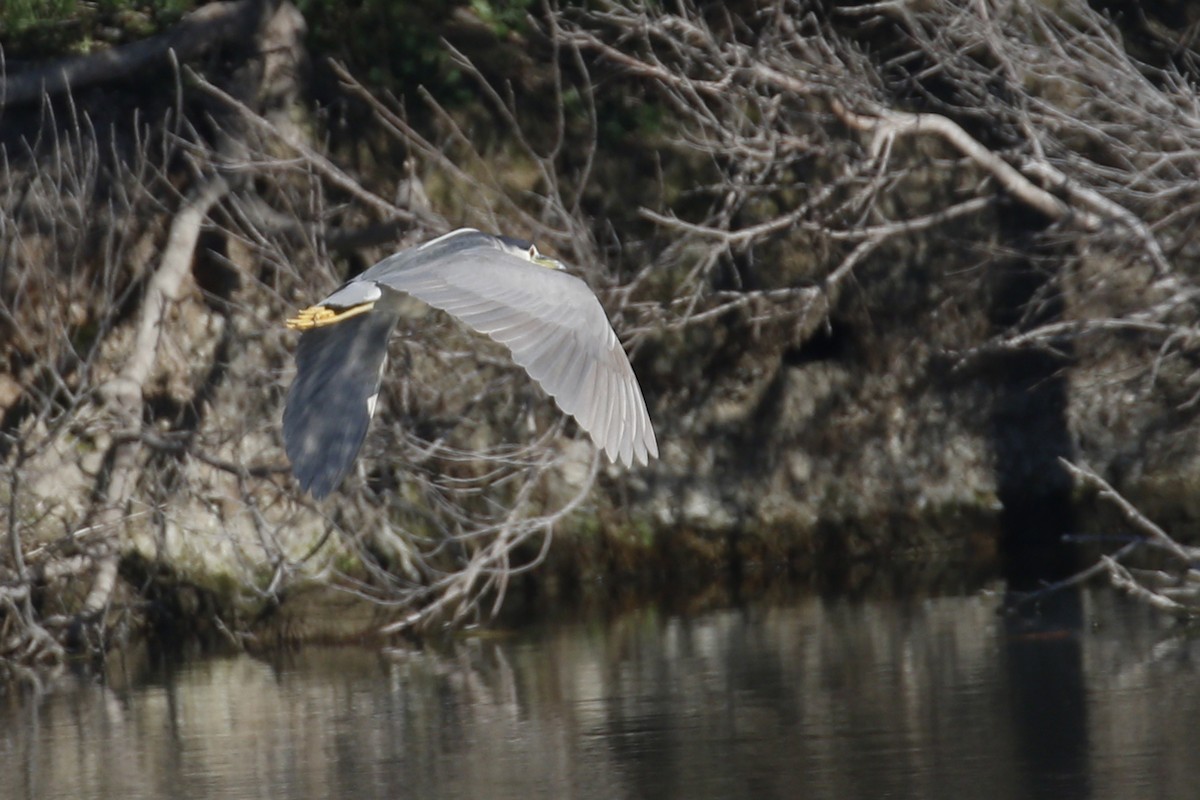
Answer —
(528, 251)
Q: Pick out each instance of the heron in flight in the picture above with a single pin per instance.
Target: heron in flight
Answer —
(549, 320)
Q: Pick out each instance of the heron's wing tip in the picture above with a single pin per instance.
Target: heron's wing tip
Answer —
(318, 490)
(651, 446)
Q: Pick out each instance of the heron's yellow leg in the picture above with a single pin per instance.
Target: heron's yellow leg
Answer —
(320, 316)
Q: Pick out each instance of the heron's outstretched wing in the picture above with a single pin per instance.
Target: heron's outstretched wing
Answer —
(555, 328)
(332, 399)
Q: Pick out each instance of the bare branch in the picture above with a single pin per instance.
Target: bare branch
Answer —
(885, 124)
(331, 171)
(1135, 518)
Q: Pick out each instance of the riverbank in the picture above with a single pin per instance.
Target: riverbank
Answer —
(874, 315)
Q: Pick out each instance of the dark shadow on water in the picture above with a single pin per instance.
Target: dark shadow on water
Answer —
(1044, 667)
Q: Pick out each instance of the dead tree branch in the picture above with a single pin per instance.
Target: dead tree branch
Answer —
(1179, 594)
(125, 395)
(327, 168)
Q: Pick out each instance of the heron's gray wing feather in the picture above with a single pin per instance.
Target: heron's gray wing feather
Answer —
(554, 327)
(332, 399)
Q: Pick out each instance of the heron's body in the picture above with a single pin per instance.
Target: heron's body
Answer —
(550, 321)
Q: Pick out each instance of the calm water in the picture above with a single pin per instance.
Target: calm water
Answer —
(821, 698)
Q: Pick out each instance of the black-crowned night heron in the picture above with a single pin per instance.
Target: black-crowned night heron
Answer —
(550, 321)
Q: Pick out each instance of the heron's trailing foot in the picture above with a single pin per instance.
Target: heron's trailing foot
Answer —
(320, 316)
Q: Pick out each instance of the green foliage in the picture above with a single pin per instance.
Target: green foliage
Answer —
(19, 16)
(391, 44)
(398, 45)
(503, 17)
(21, 19)
(40, 29)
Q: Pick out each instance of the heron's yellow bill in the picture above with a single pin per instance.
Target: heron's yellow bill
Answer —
(320, 316)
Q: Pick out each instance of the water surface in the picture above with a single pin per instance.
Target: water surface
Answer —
(927, 697)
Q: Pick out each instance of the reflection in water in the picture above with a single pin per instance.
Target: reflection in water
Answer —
(1044, 660)
(933, 697)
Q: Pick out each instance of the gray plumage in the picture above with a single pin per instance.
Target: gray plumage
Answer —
(550, 321)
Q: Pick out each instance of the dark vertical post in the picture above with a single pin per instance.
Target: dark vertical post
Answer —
(1030, 433)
